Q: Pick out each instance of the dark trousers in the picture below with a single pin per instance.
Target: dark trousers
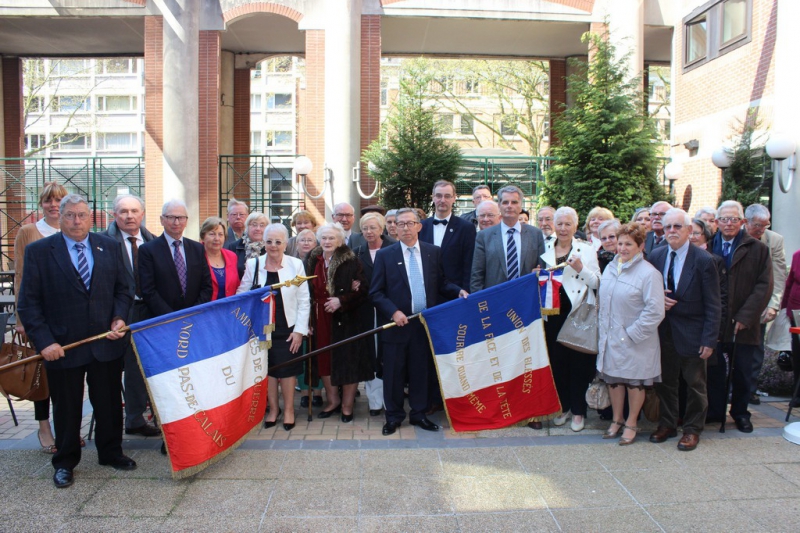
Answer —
(135, 389)
(105, 394)
(411, 359)
(572, 373)
(693, 370)
(717, 395)
(741, 382)
(41, 409)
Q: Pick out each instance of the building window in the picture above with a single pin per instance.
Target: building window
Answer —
(34, 142)
(116, 103)
(509, 125)
(255, 142)
(72, 104)
(384, 93)
(255, 102)
(546, 129)
(35, 104)
(73, 141)
(715, 29)
(116, 65)
(279, 139)
(467, 125)
(446, 124)
(71, 67)
(279, 65)
(279, 102)
(116, 141)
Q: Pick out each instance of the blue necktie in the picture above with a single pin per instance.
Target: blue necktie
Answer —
(726, 249)
(83, 265)
(180, 264)
(512, 264)
(417, 283)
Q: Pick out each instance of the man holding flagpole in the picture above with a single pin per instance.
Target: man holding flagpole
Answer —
(408, 277)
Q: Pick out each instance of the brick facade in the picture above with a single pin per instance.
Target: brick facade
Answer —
(311, 135)
(209, 68)
(241, 132)
(153, 122)
(370, 92)
(14, 196)
(558, 94)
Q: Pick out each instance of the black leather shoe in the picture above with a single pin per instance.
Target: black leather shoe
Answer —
(535, 425)
(347, 418)
(316, 401)
(375, 412)
(63, 478)
(288, 427)
(268, 424)
(755, 399)
(163, 448)
(425, 424)
(304, 401)
(744, 425)
(123, 462)
(390, 427)
(145, 430)
(328, 414)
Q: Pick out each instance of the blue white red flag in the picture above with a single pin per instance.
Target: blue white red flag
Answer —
(549, 287)
(206, 368)
(491, 356)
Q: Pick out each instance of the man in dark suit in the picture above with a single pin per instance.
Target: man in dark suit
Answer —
(408, 278)
(127, 229)
(507, 250)
(480, 194)
(690, 330)
(655, 237)
(344, 214)
(237, 215)
(173, 272)
(74, 287)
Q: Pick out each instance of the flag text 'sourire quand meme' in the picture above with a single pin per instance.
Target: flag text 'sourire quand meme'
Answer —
(491, 357)
(206, 370)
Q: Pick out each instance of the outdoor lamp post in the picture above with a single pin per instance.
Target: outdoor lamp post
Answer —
(302, 168)
(780, 148)
(673, 171)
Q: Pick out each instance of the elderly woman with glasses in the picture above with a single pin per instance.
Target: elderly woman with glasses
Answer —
(608, 241)
(221, 262)
(301, 220)
(596, 216)
(338, 292)
(252, 244)
(292, 308)
(391, 219)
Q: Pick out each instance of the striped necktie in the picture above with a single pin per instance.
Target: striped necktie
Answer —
(83, 265)
(512, 263)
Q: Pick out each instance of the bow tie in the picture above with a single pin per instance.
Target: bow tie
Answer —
(437, 221)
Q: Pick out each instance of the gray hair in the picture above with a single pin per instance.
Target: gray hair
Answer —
(391, 213)
(612, 223)
(255, 215)
(233, 202)
(335, 227)
(511, 189)
(566, 212)
(704, 227)
(731, 203)
(480, 188)
(71, 199)
(487, 203)
(706, 211)
(756, 211)
(687, 220)
(173, 203)
(545, 207)
(121, 197)
(408, 210)
(341, 204)
(661, 202)
(280, 228)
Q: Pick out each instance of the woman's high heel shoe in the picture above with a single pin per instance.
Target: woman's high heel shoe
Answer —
(613, 434)
(623, 441)
(347, 418)
(271, 424)
(328, 414)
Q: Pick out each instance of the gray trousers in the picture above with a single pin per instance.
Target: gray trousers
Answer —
(693, 370)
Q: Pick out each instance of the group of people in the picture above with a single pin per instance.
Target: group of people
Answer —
(674, 294)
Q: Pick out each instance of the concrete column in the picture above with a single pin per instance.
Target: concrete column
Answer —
(787, 120)
(343, 98)
(626, 21)
(181, 107)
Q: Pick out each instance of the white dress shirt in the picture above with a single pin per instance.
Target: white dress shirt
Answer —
(517, 240)
(439, 231)
(680, 259)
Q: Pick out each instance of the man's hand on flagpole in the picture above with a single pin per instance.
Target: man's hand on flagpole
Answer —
(400, 318)
(115, 333)
(463, 294)
(295, 340)
(53, 352)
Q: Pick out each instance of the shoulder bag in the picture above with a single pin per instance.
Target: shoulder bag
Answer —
(23, 382)
(579, 331)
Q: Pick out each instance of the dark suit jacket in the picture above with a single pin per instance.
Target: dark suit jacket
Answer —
(694, 320)
(390, 290)
(114, 232)
(158, 277)
(471, 217)
(489, 261)
(650, 242)
(458, 247)
(356, 240)
(55, 306)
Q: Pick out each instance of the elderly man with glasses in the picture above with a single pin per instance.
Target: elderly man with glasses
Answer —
(656, 237)
(749, 290)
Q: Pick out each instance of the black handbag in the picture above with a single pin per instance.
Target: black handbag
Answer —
(256, 284)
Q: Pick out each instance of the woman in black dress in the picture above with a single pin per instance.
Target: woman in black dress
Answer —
(292, 306)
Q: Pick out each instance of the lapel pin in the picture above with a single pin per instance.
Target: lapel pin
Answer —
(451, 230)
(99, 249)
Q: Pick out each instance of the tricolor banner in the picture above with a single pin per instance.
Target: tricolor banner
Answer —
(549, 286)
(206, 369)
(491, 357)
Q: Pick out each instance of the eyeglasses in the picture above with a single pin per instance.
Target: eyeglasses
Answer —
(390, 222)
(306, 241)
(270, 242)
(443, 196)
(343, 215)
(404, 225)
(237, 215)
(758, 225)
(173, 219)
(676, 227)
(79, 216)
(729, 220)
(654, 214)
(261, 225)
(697, 234)
(487, 215)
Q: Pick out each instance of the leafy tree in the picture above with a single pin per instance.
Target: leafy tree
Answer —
(409, 156)
(607, 147)
(749, 175)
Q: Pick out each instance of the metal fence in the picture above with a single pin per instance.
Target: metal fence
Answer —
(264, 182)
(98, 179)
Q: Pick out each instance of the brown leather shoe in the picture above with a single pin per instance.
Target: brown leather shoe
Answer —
(688, 442)
(662, 434)
(535, 425)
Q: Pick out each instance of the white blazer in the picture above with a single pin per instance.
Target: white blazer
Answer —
(575, 283)
(296, 300)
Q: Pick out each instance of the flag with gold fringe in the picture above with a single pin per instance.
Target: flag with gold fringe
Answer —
(206, 369)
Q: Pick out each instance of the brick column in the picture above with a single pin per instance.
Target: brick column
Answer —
(209, 204)
(311, 141)
(558, 94)
(239, 183)
(153, 119)
(13, 202)
(370, 92)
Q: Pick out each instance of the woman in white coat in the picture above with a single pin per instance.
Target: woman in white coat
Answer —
(572, 371)
(631, 308)
(292, 308)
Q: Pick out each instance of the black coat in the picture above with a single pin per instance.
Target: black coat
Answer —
(239, 249)
(367, 317)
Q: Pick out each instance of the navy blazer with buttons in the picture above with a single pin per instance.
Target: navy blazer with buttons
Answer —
(55, 306)
(458, 247)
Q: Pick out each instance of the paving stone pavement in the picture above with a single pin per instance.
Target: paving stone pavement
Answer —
(347, 478)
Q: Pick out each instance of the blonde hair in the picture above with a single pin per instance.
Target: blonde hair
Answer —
(377, 217)
(52, 190)
(598, 211)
